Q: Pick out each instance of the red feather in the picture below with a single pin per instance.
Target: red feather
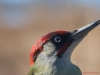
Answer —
(37, 48)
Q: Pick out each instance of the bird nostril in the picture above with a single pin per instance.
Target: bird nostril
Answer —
(74, 31)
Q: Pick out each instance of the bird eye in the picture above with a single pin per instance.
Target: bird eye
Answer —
(57, 39)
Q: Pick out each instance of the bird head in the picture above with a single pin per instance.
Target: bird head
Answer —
(60, 44)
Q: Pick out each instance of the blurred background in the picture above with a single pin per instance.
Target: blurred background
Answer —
(22, 22)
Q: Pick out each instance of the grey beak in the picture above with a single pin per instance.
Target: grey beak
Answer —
(84, 30)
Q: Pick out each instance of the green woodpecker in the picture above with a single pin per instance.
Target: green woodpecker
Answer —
(51, 55)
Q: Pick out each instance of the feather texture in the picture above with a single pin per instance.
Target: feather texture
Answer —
(37, 48)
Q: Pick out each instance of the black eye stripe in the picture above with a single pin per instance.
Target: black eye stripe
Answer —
(59, 40)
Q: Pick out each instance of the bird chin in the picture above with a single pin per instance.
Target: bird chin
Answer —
(68, 52)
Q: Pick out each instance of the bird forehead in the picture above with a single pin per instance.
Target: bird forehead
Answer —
(61, 32)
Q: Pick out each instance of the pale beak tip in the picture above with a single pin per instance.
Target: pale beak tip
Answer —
(97, 22)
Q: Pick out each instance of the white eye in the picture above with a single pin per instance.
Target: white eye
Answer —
(57, 39)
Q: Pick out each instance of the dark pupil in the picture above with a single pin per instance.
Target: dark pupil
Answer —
(57, 39)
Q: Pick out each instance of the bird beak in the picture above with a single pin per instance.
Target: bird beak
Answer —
(84, 30)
